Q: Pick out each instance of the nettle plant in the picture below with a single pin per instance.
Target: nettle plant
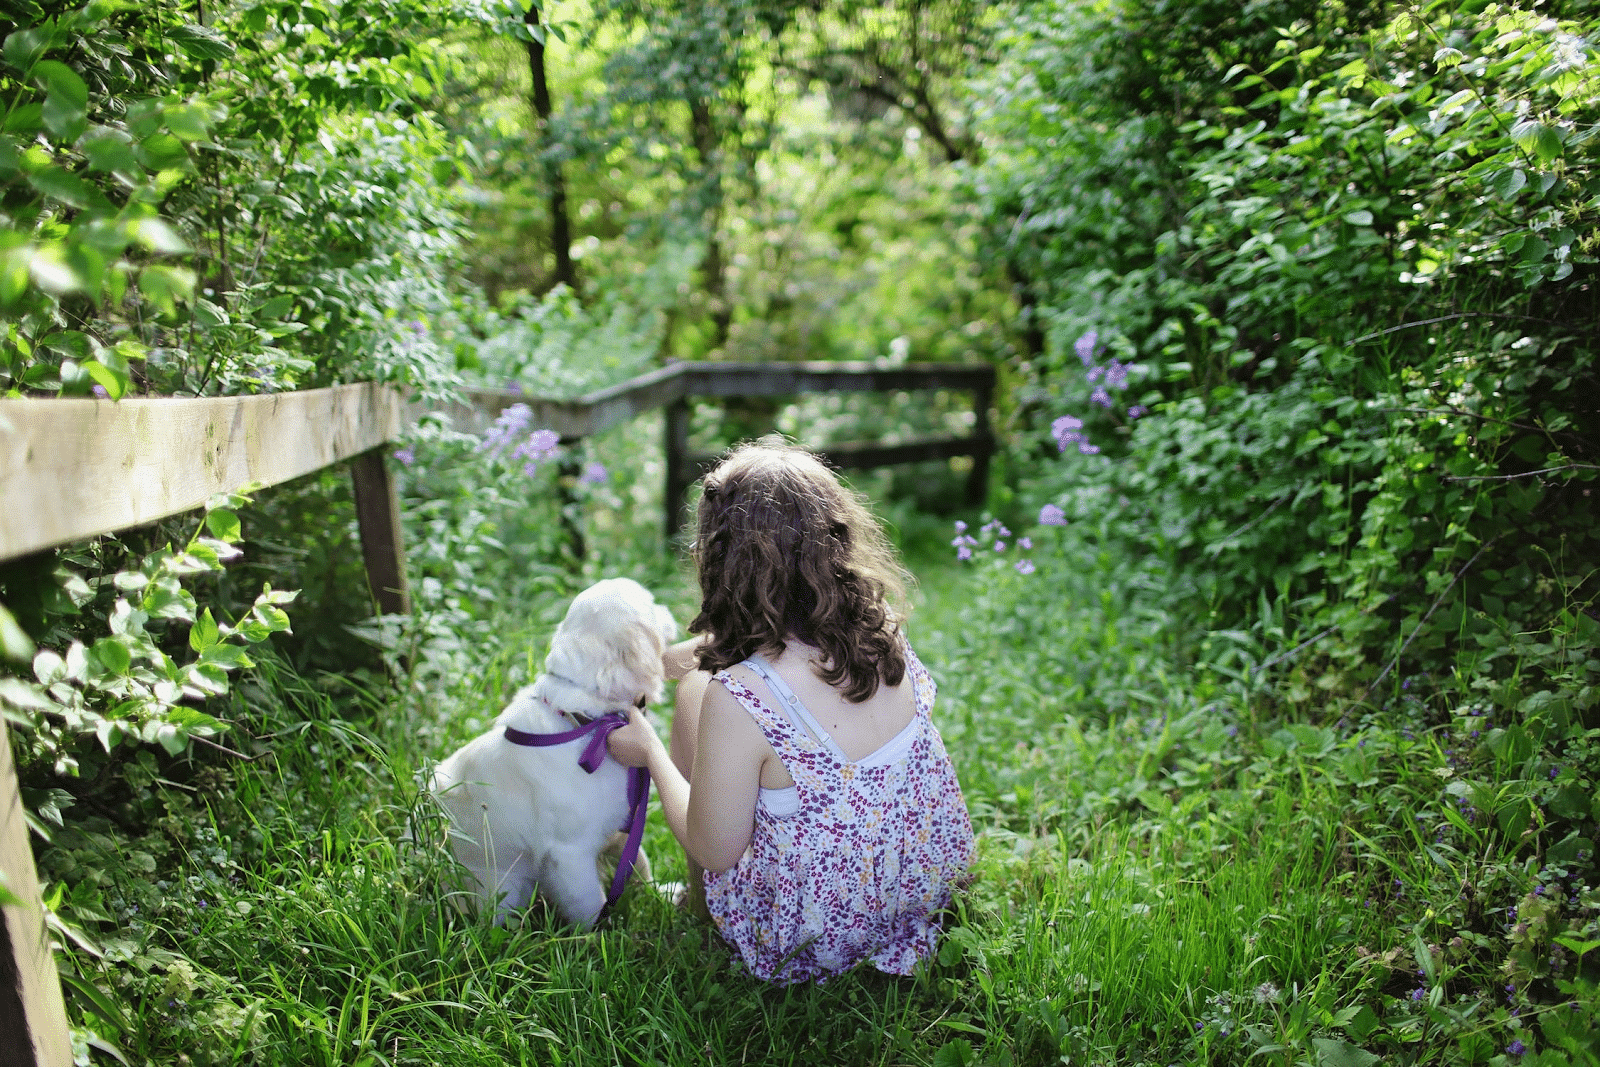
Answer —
(128, 688)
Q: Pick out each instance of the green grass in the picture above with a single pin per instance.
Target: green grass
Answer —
(1165, 876)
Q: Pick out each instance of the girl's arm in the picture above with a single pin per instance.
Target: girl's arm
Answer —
(714, 820)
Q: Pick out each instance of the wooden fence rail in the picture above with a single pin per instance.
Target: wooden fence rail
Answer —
(71, 469)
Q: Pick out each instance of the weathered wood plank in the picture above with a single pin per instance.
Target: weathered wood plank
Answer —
(858, 455)
(72, 469)
(33, 1017)
(382, 545)
(784, 379)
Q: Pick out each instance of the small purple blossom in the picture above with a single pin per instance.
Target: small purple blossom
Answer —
(540, 446)
(1085, 347)
(961, 527)
(406, 455)
(594, 473)
(1419, 993)
(1087, 449)
(1516, 1048)
(1100, 396)
(99, 391)
(512, 423)
(1025, 542)
(964, 552)
(1137, 411)
(1051, 515)
(1025, 566)
(1067, 430)
(999, 546)
(1117, 375)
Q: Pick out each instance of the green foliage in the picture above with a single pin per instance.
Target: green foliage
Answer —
(131, 686)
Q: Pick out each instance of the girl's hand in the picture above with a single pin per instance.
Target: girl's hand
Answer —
(634, 744)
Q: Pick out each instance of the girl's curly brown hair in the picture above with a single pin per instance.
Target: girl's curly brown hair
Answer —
(784, 550)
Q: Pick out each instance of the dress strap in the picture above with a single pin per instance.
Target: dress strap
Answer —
(790, 704)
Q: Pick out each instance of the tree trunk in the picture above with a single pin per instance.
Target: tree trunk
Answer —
(560, 225)
(714, 268)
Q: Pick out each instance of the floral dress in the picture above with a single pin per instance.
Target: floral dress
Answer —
(857, 860)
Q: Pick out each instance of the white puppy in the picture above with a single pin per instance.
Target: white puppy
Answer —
(526, 820)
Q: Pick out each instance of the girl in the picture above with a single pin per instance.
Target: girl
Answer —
(806, 781)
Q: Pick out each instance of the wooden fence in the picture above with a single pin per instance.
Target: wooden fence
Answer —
(73, 469)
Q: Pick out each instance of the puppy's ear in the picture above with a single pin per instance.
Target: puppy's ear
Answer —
(666, 625)
(630, 663)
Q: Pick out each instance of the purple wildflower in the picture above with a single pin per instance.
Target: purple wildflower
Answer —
(1100, 396)
(511, 424)
(1025, 566)
(1051, 515)
(1087, 449)
(964, 552)
(100, 391)
(1067, 430)
(406, 455)
(1516, 1048)
(961, 527)
(999, 546)
(594, 473)
(540, 446)
(1096, 373)
(1117, 375)
(1025, 542)
(1085, 347)
(1419, 993)
(1137, 411)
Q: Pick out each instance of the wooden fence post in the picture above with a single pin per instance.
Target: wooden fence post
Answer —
(33, 1017)
(680, 471)
(978, 477)
(382, 547)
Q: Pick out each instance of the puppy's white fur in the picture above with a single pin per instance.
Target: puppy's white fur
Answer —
(526, 820)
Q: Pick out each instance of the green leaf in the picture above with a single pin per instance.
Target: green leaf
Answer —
(201, 42)
(203, 634)
(113, 655)
(1507, 183)
(111, 150)
(957, 1053)
(157, 236)
(223, 524)
(25, 119)
(113, 383)
(23, 48)
(1359, 218)
(1336, 1052)
(1537, 139)
(228, 657)
(61, 184)
(15, 644)
(188, 122)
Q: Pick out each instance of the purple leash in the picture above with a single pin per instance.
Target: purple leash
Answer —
(594, 753)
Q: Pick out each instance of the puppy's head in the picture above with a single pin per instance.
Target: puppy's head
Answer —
(611, 642)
